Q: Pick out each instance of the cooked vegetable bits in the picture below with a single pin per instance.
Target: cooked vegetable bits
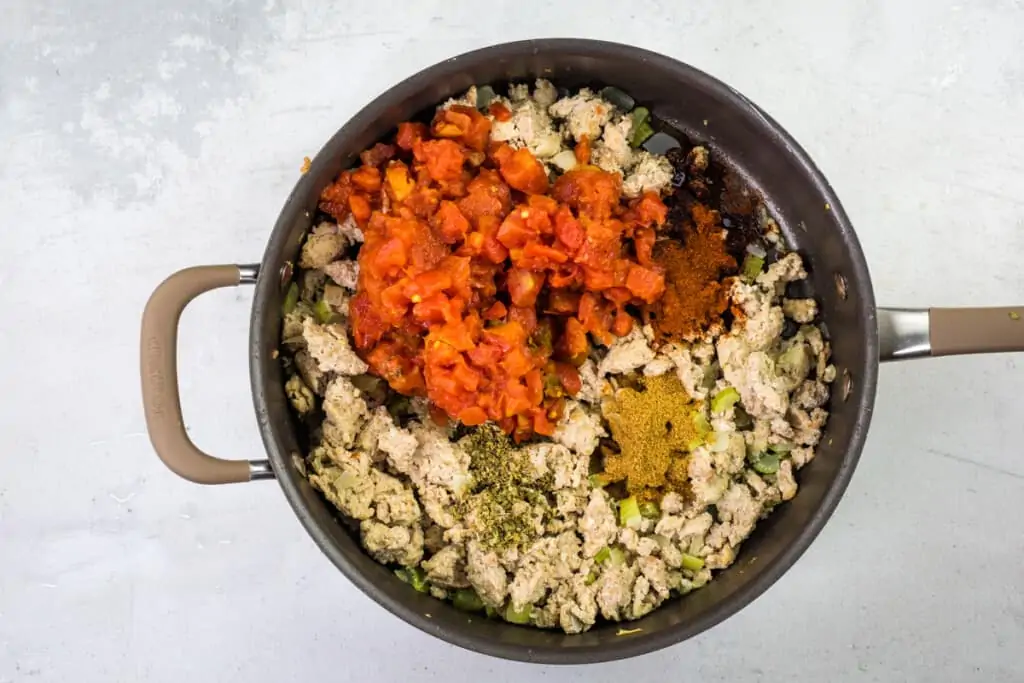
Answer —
(534, 375)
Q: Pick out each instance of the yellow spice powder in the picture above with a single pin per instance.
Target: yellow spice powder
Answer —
(654, 429)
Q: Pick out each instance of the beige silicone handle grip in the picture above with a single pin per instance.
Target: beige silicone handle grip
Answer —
(955, 331)
(905, 333)
(160, 377)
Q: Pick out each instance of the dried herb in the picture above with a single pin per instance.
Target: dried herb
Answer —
(507, 501)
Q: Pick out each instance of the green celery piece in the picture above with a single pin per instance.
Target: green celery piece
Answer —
(629, 511)
(692, 563)
(724, 400)
(766, 463)
(520, 616)
(752, 266)
(291, 299)
(467, 600)
(649, 509)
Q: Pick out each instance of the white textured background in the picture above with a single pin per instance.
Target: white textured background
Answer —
(140, 137)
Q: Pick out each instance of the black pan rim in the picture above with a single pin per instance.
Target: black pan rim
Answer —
(261, 359)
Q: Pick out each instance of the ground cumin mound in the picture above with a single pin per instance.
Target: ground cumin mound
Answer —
(653, 426)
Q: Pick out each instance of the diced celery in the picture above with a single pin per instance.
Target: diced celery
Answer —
(752, 266)
(724, 400)
(518, 616)
(417, 579)
(701, 425)
(649, 509)
(629, 512)
(692, 563)
(322, 311)
(484, 96)
(621, 100)
(291, 298)
(766, 463)
(641, 127)
(467, 600)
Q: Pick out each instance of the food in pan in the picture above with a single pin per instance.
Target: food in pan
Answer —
(553, 365)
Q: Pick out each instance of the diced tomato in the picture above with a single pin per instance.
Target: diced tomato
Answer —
(643, 240)
(565, 275)
(409, 134)
(433, 310)
(334, 197)
(443, 158)
(516, 363)
(563, 301)
(543, 203)
(488, 195)
(366, 326)
(493, 250)
(485, 355)
(597, 280)
(573, 342)
(523, 286)
(400, 184)
(542, 253)
(514, 232)
(589, 189)
(582, 151)
(388, 361)
(450, 223)
(394, 302)
(588, 308)
(645, 283)
(499, 111)
(459, 335)
(618, 295)
(433, 268)
(542, 425)
(468, 379)
(497, 311)
(569, 377)
(521, 170)
(450, 124)
(534, 386)
(423, 201)
(650, 210)
(377, 155)
(429, 283)
(525, 316)
(460, 271)
(366, 178)
(478, 131)
(391, 255)
(623, 323)
(360, 208)
(568, 229)
(472, 416)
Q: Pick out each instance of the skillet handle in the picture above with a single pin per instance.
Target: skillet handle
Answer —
(906, 333)
(159, 362)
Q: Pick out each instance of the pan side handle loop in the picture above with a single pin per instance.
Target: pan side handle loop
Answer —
(159, 367)
(906, 333)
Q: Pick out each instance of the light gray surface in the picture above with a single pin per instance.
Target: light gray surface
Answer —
(140, 137)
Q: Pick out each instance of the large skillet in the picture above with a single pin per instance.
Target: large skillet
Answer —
(751, 144)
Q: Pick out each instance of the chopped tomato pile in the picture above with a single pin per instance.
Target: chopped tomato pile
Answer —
(481, 285)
